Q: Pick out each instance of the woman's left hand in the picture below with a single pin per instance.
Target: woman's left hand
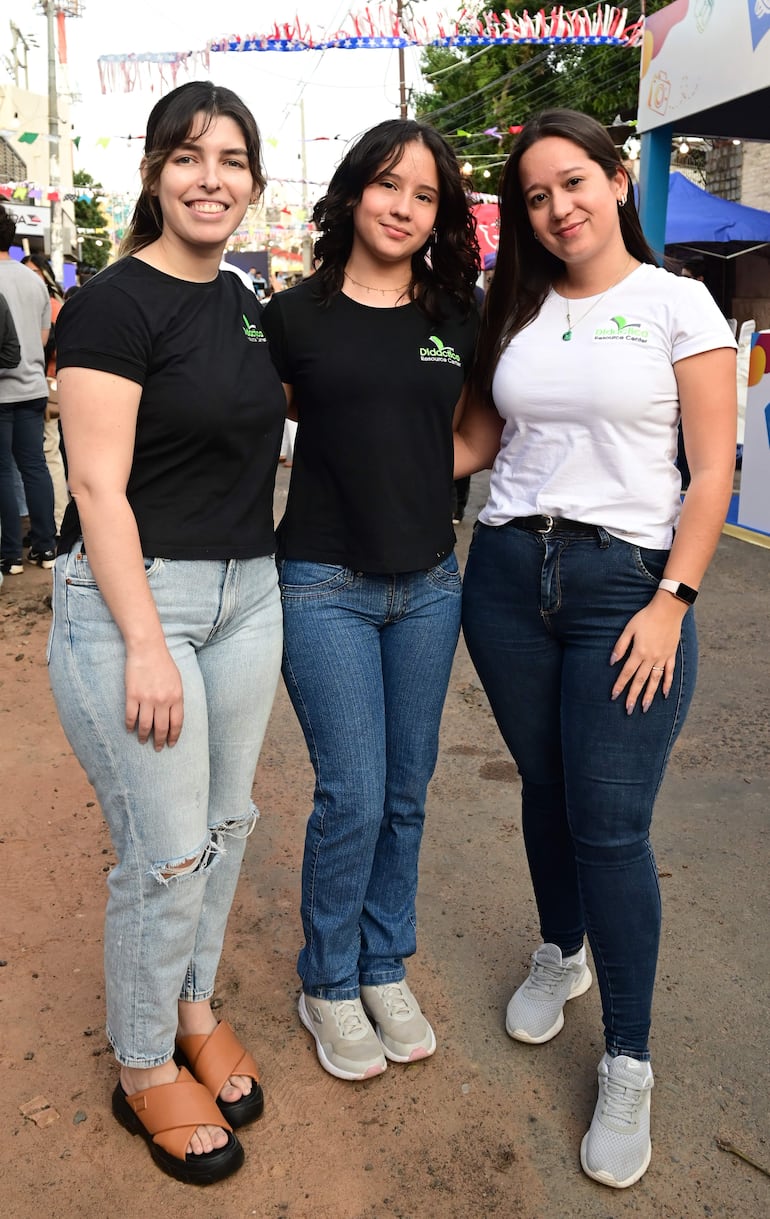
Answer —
(649, 644)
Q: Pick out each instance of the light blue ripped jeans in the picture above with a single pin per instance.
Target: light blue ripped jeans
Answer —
(179, 818)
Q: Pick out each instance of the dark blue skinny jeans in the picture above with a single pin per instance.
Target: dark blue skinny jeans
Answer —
(21, 440)
(540, 616)
(367, 660)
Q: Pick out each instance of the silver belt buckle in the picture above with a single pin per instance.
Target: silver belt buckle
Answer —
(549, 526)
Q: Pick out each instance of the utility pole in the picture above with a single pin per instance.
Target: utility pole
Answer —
(307, 240)
(54, 169)
(15, 63)
(401, 64)
(70, 8)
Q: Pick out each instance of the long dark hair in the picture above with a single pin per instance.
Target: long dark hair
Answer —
(168, 126)
(453, 263)
(525, 270)
(46, 271)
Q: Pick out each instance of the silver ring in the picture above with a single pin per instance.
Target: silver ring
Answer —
(657, 670)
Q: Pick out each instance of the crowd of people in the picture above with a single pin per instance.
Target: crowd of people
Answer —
(176, 605)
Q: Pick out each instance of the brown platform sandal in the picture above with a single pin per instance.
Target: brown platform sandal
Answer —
(213, 1058)
(167, 1117)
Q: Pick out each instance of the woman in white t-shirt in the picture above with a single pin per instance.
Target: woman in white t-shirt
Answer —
(582, 573)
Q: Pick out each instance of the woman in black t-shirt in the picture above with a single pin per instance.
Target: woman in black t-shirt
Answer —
(166, 642)
(373, 351)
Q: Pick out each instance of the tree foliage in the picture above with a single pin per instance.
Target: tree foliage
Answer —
(89, 215)
(472, 89)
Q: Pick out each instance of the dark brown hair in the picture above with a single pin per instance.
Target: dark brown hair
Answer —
(169, 125)
(448, 262)
(525, 270)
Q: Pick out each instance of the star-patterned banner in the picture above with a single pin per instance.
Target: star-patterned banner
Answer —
(379, 27)
(385, 29)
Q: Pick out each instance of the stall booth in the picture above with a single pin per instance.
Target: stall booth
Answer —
(706, 72)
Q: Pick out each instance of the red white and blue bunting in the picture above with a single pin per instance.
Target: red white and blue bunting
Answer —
(379, 27)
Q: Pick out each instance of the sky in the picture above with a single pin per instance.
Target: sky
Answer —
(342, 91)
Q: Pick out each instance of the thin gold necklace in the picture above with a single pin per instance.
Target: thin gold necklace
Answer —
(571, 325)
(369, 288)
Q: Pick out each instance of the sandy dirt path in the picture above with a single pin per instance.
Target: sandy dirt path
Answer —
(487, 1127)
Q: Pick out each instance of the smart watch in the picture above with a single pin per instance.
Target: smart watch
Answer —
(682, 591)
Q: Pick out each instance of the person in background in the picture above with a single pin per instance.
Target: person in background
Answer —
(373, 350)
(694, 268)
(23, 399)
(10, 348)
(490, 262)
(461, 487)
(166, 640)
(582, 574)
(52, 449)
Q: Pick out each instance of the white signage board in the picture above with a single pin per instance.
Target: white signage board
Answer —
(30, 221)
(698, 54)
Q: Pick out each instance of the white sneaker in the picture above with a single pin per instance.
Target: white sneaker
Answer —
(535, 1013)
(617, 1149)
(401, 1027)
(346, 1043)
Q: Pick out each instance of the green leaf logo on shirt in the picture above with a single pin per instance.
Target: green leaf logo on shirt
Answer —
(622, 324)
(252, 331)
(439, 353)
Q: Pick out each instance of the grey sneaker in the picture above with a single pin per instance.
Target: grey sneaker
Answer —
(346, 1043)
(535, 1013)
(404, 1032)
(617, 1149)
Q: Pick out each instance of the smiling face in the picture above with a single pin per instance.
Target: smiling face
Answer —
(205, 185)
(571, 203)
(397, 211)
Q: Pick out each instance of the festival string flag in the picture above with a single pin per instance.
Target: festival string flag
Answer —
(390, 29)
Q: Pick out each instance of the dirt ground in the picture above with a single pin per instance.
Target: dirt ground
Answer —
(487, 1128)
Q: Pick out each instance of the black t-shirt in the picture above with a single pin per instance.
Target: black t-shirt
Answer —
(375, 391)
(211, 414)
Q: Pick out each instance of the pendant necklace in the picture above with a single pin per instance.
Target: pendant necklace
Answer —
(571, 325)
(382, 291)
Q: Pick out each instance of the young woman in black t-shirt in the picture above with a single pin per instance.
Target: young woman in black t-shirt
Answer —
(373, 351)
(166, 642)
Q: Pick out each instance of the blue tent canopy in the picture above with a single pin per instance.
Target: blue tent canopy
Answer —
(696, 216)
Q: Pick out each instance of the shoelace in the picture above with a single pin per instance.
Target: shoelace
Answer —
(546, 976)
(348, 1017)
(621, 1101)
(395, 1001)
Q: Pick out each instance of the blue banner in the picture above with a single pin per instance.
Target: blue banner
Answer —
(759, 16)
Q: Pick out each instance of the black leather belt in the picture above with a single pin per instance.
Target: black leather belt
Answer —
(543, 523)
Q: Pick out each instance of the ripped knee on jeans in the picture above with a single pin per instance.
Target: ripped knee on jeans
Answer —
(235, 827)
(175, 869)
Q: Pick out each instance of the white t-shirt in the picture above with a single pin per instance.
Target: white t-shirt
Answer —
(591, 424)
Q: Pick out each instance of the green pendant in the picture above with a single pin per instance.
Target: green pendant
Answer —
(567, 336)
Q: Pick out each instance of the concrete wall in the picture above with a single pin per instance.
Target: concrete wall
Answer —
(756, 176)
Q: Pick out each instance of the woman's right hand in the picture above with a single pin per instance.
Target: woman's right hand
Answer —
(154, 697)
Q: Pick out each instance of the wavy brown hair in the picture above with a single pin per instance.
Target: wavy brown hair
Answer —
(447, 263)
(525, 270)
(171, 122)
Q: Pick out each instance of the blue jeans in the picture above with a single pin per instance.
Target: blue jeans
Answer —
(21, 440)
(540, 617)
(179, 818)
(367, 660)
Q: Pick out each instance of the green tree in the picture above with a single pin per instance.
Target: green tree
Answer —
(475, 89)
(90, 217)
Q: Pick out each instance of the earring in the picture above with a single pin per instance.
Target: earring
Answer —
(622, 202)
(534, 234)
